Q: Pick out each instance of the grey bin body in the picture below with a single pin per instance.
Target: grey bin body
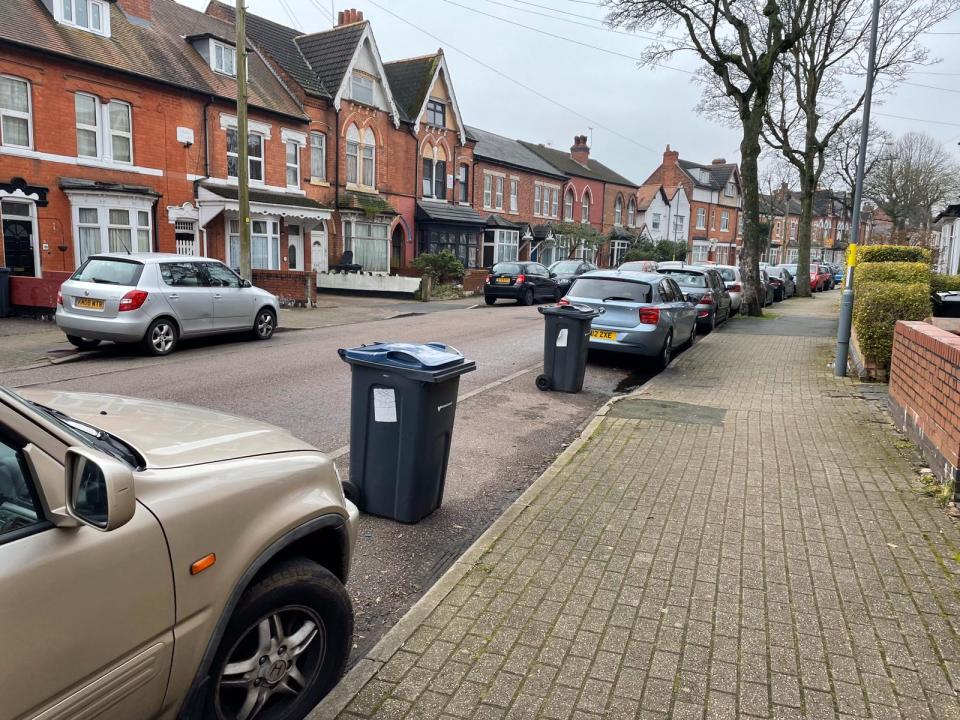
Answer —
(566, 338)
(403, 404)
(4, 291)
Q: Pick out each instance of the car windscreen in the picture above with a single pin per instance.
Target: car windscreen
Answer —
(611, 289)
(637, 266)
(792, 269)
(110, 271)
(728, 274)
(565, 266)
(687, 278)
(507, 269)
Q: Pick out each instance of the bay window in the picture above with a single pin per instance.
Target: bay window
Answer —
(618, 249)
(16, 119)
(506, 245)
(111, 223)
(369, 243)
(264, 244)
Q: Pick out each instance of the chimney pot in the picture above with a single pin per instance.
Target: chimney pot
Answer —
(580, 152)
(349, 16)
(719, 161)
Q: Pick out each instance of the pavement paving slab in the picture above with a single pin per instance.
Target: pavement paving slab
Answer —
(741, 537)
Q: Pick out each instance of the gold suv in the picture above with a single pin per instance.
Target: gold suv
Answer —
(163, 561)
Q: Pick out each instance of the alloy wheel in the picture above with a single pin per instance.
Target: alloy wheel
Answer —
(265, 324)
(163, 337)
(274, 661)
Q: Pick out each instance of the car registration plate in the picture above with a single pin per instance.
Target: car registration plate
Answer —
(503, 281)
(603, 335)
(88, 303)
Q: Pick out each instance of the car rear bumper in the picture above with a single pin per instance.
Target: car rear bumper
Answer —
(641, 340)
(503, 291)
(118, 329)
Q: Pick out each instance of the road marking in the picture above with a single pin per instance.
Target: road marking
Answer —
(345, 449)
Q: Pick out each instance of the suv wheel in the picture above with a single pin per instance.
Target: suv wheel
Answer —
(264, 325)
(82, 343)
(161, 337)
(285, 647)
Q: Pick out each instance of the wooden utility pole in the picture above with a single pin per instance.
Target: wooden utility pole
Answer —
(243, 135)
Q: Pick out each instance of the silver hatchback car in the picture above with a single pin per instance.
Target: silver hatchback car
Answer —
(156, 299)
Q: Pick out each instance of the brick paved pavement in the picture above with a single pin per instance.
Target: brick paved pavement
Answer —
(739, 539)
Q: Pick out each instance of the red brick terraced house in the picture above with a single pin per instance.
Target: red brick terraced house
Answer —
(714, 193)
(594, 194)
(518, 193)
(116, 118)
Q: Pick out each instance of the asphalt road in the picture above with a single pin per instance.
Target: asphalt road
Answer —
(505, 434)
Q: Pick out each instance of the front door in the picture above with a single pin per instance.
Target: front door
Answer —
(18, 241)
(318, 251)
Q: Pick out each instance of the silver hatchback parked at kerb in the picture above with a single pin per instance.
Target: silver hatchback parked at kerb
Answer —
(156, 299)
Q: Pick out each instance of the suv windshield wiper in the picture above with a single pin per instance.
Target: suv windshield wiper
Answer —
(101, 439)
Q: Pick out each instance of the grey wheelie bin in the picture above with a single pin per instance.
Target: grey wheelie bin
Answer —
(566, 337)
(403, 402)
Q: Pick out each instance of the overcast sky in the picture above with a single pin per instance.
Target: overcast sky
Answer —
(630, 112)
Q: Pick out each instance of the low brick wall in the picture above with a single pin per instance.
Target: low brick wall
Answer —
(29, 294)
(925, 394)
(292, 287)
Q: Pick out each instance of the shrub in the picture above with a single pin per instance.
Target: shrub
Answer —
(877, 307)
(894, 272)
(439, 266)
(944, 283)
(892, 253)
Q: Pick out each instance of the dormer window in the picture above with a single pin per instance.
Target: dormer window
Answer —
(730, 190)
(436, 113)
(92, 15)
(361, 88)
(223, 58)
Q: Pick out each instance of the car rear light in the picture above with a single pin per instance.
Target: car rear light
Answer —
(736, 287)
(649, 316)
(563, 301)
(59, 298)
(706, 299)
(133, 300)
(521, 278)
(489, 278)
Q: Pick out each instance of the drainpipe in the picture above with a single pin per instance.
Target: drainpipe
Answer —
(206, 138)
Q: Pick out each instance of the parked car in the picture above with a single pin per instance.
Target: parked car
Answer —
(824, 276)
(818, 275)
(162, 560)
(770, 294)
(784, 284)
(156, 299)
(566, 271)
(839, 275)
(705, 287)
(734, 283)
(639, 266)
(525, 282)
(642, 313)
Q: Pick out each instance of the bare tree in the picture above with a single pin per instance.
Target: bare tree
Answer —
(914, 176)
(812, 103)
(740, 44)
(841, 169)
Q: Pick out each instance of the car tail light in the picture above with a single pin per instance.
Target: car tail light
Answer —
(649, 316)
(563, 301)
(736, 287)
(59, 298)
(521, 278)
(706, 299)
(133, 300)
(489, 278)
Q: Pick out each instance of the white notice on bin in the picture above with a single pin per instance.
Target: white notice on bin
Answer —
(384, 405)
(562, 338)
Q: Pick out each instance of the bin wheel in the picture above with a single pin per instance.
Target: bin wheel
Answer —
(351, 491)
(543, 382)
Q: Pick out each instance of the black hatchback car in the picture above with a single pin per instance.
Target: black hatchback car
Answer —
(566, 271)
(705, 287)
(525, 282)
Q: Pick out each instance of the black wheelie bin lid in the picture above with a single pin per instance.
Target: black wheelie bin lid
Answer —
(577, 311)
(428, 362)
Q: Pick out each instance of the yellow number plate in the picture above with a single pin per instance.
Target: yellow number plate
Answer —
(603, 335)
(503, 280)
(89, 303)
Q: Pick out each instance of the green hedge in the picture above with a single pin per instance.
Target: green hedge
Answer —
(892, 253)
(945, 283)
(876, 309)
(894, 272)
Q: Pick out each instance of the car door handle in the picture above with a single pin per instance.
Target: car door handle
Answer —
(217, 296)
(173, 296)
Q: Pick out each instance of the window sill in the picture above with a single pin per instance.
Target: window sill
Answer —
(361, 188)
(439, 201)
(319, 183)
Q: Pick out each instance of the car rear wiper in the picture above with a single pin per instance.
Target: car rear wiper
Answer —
(619, 297)
(105, 282)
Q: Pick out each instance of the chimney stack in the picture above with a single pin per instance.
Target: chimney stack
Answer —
(719, 161)
(580, 151)
(137, 8)
(348, 17)
(670, 168)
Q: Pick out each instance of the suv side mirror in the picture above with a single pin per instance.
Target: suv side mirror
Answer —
(100, 490)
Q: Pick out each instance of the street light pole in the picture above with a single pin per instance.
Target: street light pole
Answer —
(846, 301)
(243, 148)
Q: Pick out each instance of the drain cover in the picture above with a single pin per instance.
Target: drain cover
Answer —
(647, 409)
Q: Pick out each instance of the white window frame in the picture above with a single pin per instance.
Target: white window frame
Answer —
(488, 191)
(506, 243)
(631, 213)
(295, 166)
(349, 235)
(86, 127)
(225, 52)
(701, 251)
(655, 221)
(19, 114)
(368, 154)
(537, 192)
(568, 200)
(585, 202)
(498, 193)
(701, 218)
(618, 210)
(103, 130)
(272, 234)
(111, 132)
(793, 229)
(729, 190)
(251, 159)
(65, 12)
(724, 220)
(318, 148)
(357, 78)
(137, 205)
(555, 202)
(618, 248)
(514, 195)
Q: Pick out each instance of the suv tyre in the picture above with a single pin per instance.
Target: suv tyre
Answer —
(285, 647)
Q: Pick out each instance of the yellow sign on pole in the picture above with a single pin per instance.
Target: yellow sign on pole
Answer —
(852, 255)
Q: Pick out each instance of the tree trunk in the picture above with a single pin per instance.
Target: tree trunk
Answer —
(753, 294)
(807, 189)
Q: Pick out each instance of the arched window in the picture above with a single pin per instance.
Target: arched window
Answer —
(434, 172)
(353, 155)
(568, 206)
(585, 207)
(632, 213)
(618, 211)
(369, 153)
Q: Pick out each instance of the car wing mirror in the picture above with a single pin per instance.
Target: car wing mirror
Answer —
(99, 489)
(244, 283)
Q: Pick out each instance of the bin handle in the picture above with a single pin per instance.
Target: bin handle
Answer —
(402, 357)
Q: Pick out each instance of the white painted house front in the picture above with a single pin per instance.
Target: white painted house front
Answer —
(948, 223)
(663, 214)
